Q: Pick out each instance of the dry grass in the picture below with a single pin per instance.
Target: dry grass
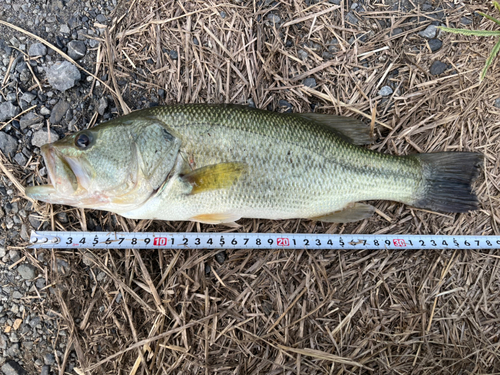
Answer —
(298, 312)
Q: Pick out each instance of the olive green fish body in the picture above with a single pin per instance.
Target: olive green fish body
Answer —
(218, 163)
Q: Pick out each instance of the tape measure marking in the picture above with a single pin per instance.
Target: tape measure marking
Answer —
(181, 240)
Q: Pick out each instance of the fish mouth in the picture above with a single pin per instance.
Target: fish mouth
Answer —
(63, 176)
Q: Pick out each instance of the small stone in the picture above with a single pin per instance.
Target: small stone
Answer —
(220, 257)
(7, 111)
(41, 137)
(65, 29)
(101, 18)
(396, 31)
(435, 44)
(17, 295)
(62, 217)
(59, 111)
(26, 271)
(37, 49)
(285, 105)
(45, 111)
(40, 283)
(385, 91)
(438, 68)
(497, 103)
(28, 97)
(49, 359)
(350, 17)
(12, 368)
(223, 14)
(465, 21)
(45, 370)
(77, 49)
(430, 32)
(8, 144)
(309, 82)
(103, 105)
(14, 255)
(63, 75)
(173, 54)
(302, 54)
(274, 18)
(20, 159)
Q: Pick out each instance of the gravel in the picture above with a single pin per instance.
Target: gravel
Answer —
(430, 32)
(13, 368)
(37, 49)
(8, 110)
(435, 44)
(63, 75)
(8, 144)
(438, 68)
(77, 49)
(41, 137)
(497, 103)
(385, 91)
(59, 111)
(26, 271)
(309, 82)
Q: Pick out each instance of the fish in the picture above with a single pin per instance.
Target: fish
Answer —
(218, 163)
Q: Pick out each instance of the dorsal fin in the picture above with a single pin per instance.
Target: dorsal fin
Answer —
(352, 130)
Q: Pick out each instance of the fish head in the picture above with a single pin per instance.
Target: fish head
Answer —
(115, 166)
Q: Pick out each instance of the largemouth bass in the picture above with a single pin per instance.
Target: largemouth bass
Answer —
(219, 163)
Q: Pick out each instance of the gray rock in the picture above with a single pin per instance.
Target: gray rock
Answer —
(2, 253)
(62, 217)
(59, 111)
(309, 82)
(28, 97)
(63, 75)
(17, 295)
(7, 111)
(45, 370)
(497, 103)
(40, 283)
(173, 54)
(465, 21)
(65, 29)
(385, 91)
(274, 18)
(302, 54)
(101, 18)
(26, 271)
(350, 17)
(41, 137)
(435, 44)
(13, 351)
(37, 49)
(76, 49)
(103, 104)
(3, 342)
(285, 105)
(20, 159)
(430, 32)
(438, 68)
(49, 359)
(220, 257)
(8, 144)
(12, 368)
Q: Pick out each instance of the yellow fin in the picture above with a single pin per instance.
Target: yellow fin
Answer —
(352, 212)
(222, 218)
(213, 177)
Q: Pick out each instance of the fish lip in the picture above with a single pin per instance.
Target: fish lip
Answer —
(48, 154)
(51, 157)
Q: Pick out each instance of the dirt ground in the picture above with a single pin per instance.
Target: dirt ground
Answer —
(296, 312)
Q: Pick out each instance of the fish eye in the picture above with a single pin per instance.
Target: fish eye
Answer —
(83, 141)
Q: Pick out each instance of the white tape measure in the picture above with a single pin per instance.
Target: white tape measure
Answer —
(294, 241)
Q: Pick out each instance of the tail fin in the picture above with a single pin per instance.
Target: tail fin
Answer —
(448, 179)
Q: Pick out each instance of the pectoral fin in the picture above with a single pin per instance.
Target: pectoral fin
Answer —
(213, 177)
(353, 212)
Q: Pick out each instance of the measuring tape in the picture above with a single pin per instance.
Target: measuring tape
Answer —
(268, 241)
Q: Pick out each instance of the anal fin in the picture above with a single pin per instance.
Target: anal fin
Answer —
(352, 212)
(226, 218)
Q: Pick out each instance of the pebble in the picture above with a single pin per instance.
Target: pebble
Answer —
(103, 104)
(309, 82)
(49, 359)
(173, 54)
(435, 44)
(59, 111)
(63, 75)
(8, 144)
(41, 137)
(45, 370)
(13, 368)
(385, 91)
(28, 97)
(302, 54)
(285, 105)
(77, 49)
(220, 257)
(430, 32)
(8, 110)
(497, 103)
(465, 21)
(26, 271)
(37, 49)
(350, 17)
(65, 29)
(20, 159)
(274, 18)
(438, 68)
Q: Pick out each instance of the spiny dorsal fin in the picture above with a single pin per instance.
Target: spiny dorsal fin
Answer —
(213, 177)
(353, 212)
(353, 130)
